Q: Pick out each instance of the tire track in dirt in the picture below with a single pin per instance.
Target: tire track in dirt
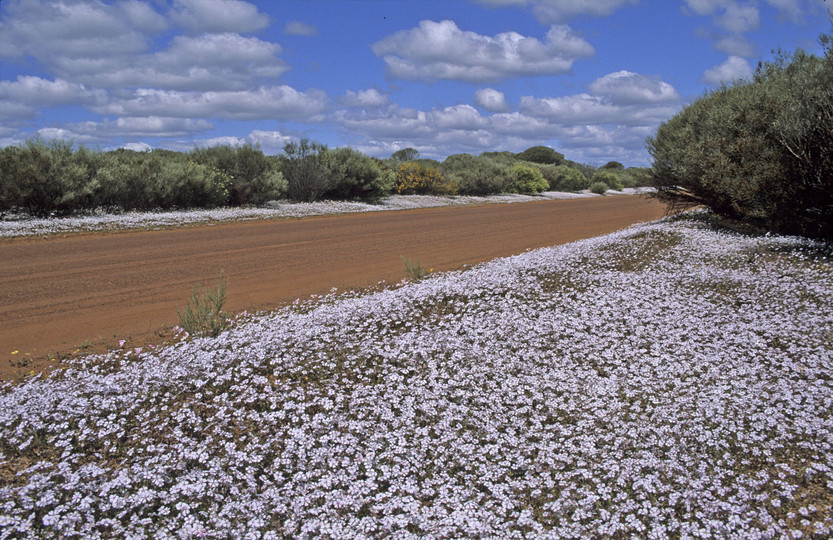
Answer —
(87, 291)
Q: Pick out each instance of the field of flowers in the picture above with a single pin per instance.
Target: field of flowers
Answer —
(667, 380)
(21, 225)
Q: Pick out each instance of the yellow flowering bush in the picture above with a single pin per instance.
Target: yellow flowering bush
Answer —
(415, 179)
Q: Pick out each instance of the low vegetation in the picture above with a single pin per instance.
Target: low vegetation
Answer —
(671, 380)
(203, 313)
(414, 271)
(599, 188)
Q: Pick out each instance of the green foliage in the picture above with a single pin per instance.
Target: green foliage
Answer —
(305, 171)
(613, 165)
(606, 176)
(635, 177)
(804, 130)
(587, 169)
(415, 179)
(406, 154)
(43, 177)
(541, 154)
(564, 178)
(203, 313)
(158, 179)
(477, 175)
(760, 151)
(414, 270)
(527, 180)
(255, 177)
(599, 188)
(504, 158)
(352, 175)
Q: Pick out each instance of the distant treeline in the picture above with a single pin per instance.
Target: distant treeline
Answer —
(758, 151)
(54, 177)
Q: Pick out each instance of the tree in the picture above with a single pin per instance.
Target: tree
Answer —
(541, 154)
(613, 165)
(406, 154)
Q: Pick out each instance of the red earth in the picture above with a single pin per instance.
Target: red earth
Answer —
(82, 293)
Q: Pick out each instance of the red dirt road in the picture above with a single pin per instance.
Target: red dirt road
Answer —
(87, 291)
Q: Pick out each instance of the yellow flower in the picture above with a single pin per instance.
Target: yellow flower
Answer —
(15, 352)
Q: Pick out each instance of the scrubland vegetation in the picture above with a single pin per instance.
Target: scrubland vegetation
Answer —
(671, 380)
(46, 178)
(760, 151)
(666, 381)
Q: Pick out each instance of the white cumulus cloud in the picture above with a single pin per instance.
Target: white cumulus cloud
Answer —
(364, 98)
(559, 11)
(733, 69)
(275, 102)
(491, 100)
(52, 31)
(441, 50)
(218, 16)
(625, 87)
(38, 92)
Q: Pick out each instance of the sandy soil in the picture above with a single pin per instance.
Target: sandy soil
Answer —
(82, 293)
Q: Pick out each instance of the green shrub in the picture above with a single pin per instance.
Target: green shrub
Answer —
(255, 178)
(304, 170)
(564, 178)
(607, 177)
(414, 270)
(635, 177)
(158, 179)
(44, 177)
(599, 188)
(477, 175)
(203, 311)
(541, 154)
(613, 166)
(804, 130)
(587, 169)
(415, 179)
(757, 151)
(527, 180)
(352, 175)
(503, 158)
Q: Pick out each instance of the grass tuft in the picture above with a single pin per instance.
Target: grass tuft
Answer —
(203, 313)
(414, 270)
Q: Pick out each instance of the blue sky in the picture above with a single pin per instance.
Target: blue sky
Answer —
(591, 79)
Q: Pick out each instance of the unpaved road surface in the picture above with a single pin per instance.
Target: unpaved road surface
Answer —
(83, 293)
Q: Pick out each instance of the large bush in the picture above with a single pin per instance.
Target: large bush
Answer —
(305, 171)
(606, 176)
(477, 175)
(416, 179)
(635, 177)
(760, 151)
(352, 175)
(564, 178)
(255, 177)
(158, 179)
(42, 177)
(527, 180)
